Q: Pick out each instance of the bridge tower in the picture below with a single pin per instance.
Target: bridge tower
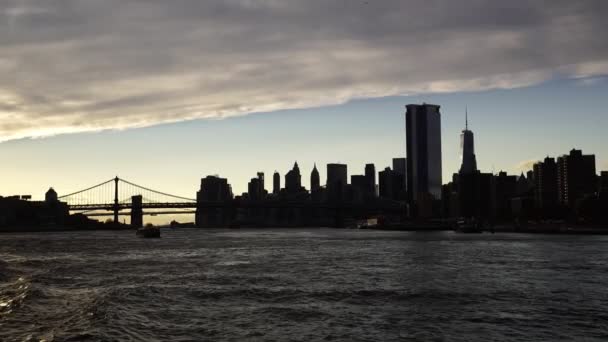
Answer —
(137, 213)
(116, 208)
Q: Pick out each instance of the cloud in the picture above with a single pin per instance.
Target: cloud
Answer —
(526, 165)
(76, 65)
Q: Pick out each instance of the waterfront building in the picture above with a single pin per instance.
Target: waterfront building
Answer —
(475, 194)
(423, 145)
(545, 185)
(18, 213)
(51, 196)
(576, 177)
(213, 190)
(504, 190)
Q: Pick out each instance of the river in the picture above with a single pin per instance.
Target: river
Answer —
(302, 285)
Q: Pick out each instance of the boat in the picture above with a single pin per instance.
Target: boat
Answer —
(148, 232)
(469, 226)
(367, 224)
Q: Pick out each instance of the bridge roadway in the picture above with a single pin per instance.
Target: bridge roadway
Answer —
(395, 206)
(124, 206)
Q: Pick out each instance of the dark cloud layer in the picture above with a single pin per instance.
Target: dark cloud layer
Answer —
(82, 65)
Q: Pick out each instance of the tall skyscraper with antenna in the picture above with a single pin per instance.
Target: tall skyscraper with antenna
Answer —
(467, 149)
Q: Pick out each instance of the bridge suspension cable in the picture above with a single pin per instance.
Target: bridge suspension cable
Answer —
(158, 192)
(118, 193)
(87, 189)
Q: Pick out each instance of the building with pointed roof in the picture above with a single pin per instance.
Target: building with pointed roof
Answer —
(293, 180)
(315, 179)
(467, 149)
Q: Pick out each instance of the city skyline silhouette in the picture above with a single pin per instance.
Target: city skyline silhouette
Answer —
(453, 123)
(112, 97)
(303, 170)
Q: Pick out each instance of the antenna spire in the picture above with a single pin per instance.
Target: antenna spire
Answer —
(466, 118)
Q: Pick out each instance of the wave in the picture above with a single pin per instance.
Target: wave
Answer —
(12, 295)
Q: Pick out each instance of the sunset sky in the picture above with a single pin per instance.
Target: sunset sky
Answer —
(163, 93)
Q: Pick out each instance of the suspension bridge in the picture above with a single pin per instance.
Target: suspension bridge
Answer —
(116, 195)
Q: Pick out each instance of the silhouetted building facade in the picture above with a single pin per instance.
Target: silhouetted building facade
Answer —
(255, 188)
(545, 186)
(391, 185)
(475, 194)
(18, 213)
(505, 189)
(530, 176)
(370, 176)
(214, 190)
(423, 144)
(576, 177)
(467, 150)
(359, 187)
(385, 183)
(525, 186)
(604, 182)
(137, 212)
(399, 184)
(51, 196)
(315, 180)
(276, 183)
(337, 178)
(293, 180)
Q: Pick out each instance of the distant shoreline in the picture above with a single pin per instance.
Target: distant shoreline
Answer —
(573, 230)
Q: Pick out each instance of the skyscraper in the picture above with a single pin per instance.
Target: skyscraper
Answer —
(261, 179)
(467, 149)
(370, 177)
(399, 175)
(255, 188)
(423, 144)
(504, 189)
(337, 179)
(545, 185)
(276, 183)
(359, 188)
(213, 189)
(400, 166)
(604, 181)
(293, 180)
(315, 182)
(385, 183)
(576, 177)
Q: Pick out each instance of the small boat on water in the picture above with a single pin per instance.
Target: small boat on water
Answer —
(148, 232)
(367, 224)
(469, 226)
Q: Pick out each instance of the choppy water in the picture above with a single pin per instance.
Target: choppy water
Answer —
(299, 285)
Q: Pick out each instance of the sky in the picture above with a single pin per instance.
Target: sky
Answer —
(163, 93)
